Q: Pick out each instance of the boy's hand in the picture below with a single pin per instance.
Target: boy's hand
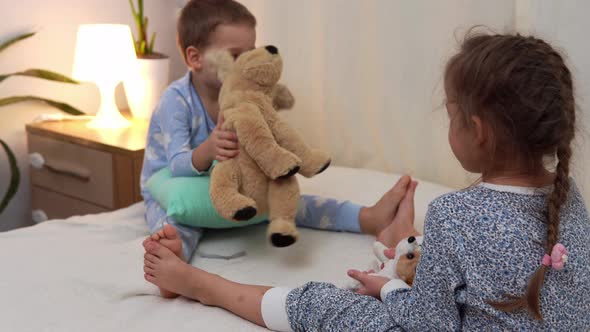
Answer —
(224, 142)
(370, 285)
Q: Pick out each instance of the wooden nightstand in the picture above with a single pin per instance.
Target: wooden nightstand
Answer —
(84, 170)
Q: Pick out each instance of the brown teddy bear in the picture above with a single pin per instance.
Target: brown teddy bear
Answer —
(261, 178)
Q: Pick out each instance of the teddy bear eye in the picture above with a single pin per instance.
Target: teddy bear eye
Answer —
(410, 256)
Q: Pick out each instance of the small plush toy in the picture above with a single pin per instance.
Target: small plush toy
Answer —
(261, 178)
(402, 266)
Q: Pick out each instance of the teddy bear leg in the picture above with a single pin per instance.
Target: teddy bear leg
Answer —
(283, 197)
(260, 144)
(227, 200)
(313, 161)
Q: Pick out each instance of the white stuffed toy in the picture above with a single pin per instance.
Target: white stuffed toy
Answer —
(402, 266)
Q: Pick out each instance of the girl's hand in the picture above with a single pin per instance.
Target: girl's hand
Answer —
(224, 142)
(370, 285)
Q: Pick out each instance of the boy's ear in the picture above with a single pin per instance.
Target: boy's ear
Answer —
(194, 58)
(221, 61)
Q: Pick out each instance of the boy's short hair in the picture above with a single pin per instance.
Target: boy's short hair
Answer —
(199, 18)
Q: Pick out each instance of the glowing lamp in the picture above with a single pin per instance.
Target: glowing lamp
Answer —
(105, 56)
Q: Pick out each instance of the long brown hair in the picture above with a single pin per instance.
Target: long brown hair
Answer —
(521, 86)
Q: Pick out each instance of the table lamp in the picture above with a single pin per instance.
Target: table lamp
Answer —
(104, 55)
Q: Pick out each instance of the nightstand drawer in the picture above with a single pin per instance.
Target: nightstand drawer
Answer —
(73, 170)
(58, 206)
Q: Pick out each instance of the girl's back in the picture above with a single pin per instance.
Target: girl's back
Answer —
(498, 235)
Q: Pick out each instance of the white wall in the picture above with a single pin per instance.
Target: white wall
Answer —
(52, 48)
(565, 24)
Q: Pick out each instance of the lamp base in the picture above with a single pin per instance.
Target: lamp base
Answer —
(110, 121)
(108, 115)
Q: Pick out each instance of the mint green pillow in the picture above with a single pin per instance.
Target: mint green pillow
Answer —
(187, 200)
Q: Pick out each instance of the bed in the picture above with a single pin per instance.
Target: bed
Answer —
(85, 273)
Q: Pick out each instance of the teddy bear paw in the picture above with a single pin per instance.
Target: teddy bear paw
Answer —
(246, 213)
(282, 232)
(325, 167)
(317, 162)
(282, 164)
(279, 240)
(292, 172)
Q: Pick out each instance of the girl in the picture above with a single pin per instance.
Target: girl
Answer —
(510, 253)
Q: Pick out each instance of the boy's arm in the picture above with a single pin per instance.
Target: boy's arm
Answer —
(201, 156)
(221, 145)
(177, 124)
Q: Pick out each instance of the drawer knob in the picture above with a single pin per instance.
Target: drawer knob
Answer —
(39, 216)
(36, 160)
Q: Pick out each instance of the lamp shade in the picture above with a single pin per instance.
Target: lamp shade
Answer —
(104, 53)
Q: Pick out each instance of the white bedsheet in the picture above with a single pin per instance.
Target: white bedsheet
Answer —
(85, 273)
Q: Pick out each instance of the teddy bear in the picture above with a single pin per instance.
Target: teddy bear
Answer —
(402, 266)
(260, 180)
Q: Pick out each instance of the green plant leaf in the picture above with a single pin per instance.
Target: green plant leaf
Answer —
(140, 8)
(152, 41)
(59, 105)
(15, 40)
(41, 73)
(142, 47)
(14, 177)
(133, 11)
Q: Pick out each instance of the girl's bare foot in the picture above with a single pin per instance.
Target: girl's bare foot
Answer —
(375, 219)
(402, 225)
(166, 270)
(167, 237)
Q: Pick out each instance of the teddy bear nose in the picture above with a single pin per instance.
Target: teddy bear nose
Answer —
(272, 49)
(411, 239)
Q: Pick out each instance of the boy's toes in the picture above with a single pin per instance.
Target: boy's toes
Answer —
(169, 232)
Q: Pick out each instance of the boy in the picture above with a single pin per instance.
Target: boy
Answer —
(184, 135)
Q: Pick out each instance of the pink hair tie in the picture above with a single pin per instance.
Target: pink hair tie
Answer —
(557, 259)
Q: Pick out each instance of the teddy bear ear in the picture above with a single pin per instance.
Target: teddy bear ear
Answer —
(221, 61)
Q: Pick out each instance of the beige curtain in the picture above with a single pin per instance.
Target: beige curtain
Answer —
(367, 76)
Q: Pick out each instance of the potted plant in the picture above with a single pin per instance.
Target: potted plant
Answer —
(37, 73)
(143, 89)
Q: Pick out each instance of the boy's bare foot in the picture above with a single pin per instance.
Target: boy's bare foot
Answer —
(375, 219)
(167, 237)
(166, 270)
(402, 225)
